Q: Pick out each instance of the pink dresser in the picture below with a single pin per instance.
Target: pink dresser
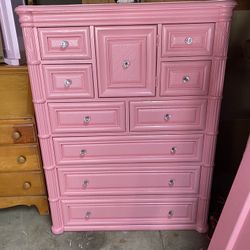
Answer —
(127, 99)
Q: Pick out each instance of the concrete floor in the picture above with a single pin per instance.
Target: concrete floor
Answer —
(22, 228)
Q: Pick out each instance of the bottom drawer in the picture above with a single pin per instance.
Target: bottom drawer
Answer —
(130, 212)
(26, 183)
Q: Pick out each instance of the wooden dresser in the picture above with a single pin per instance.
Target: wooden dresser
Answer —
(127, 99)
(21, 175)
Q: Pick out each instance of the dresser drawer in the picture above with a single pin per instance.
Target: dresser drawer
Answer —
(17, 133)
(126, 59)
(170, 181)
(68, 81)
(155, 148)
(168, 115)
(87, 117)
(129, 211)
(28, 183)
(187, 39)
(185, 78)
(65, 43)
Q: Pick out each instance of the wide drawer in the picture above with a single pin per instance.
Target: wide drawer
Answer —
(19, 157)
(65, 43)
(170, 181)
(168, 115)
(185, 78)
(87, 117)
(119, 149)
(68, 81)
(27, 183)
(129, 211)
(17, 132)
(187, 39)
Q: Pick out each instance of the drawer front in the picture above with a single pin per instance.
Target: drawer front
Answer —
(171, 181)
(126, 59)
(129, 212)
(168, 115)
(17, 133)
(65, 43)
(185, 78)
(87, 117)
(68, 81)
(156, 148)
(187, 39)
(28, 183)
(19, 157)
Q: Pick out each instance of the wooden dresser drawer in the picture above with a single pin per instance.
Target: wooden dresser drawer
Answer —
(187, 39)
(185, 78)
(118, 149)
(170, 181)
(168, 115)
(131, 211)
(19, 157)
(87, 117)
(17, 132)
(28, 183)
(68, 81)
(65, 43)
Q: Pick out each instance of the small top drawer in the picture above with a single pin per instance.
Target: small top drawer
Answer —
(187, 39)
(15, 132)
(65, 43)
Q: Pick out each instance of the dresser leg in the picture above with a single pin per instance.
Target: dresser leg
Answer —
(42, 206)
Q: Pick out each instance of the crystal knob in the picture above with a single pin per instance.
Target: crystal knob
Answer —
(125, 64)
(186, 79)
(26, 185)
(170, 213)
(173, 150)
(64, 44)
(188, 40)
(16, 135)
(67, 83)
(87, 215)
(83, 152)
(21, 159)
(86, 119)
(85, 183)
(171, 183)
(167, 117)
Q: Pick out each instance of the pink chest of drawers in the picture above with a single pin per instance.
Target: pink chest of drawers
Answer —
(127, 100)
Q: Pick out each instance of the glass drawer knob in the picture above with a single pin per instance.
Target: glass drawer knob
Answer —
(186, 79)
(87, 215)
(171, 183)
(188, 40)
(83, 152)
(86, 119)
(64, 44)
(173, 150)
(170, 213)
(125, 64)
(67, 83)
(85, 183)
(167, 117)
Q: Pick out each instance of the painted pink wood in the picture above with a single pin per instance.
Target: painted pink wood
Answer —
(87, 117)
(168, 115)
(185, 78)
(232, 230)
(187, 39)
(75, 182)
(170, 211)
(158, 148)
(76, 43)
(126, 60)
(68, 81)
(126, 64)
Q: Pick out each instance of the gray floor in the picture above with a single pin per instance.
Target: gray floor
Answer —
(22, 228)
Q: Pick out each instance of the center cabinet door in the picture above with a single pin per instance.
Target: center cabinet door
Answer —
(126, 59)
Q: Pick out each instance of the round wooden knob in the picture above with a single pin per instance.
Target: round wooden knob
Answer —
(16, 135)
(26, 185)
(21, 159)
